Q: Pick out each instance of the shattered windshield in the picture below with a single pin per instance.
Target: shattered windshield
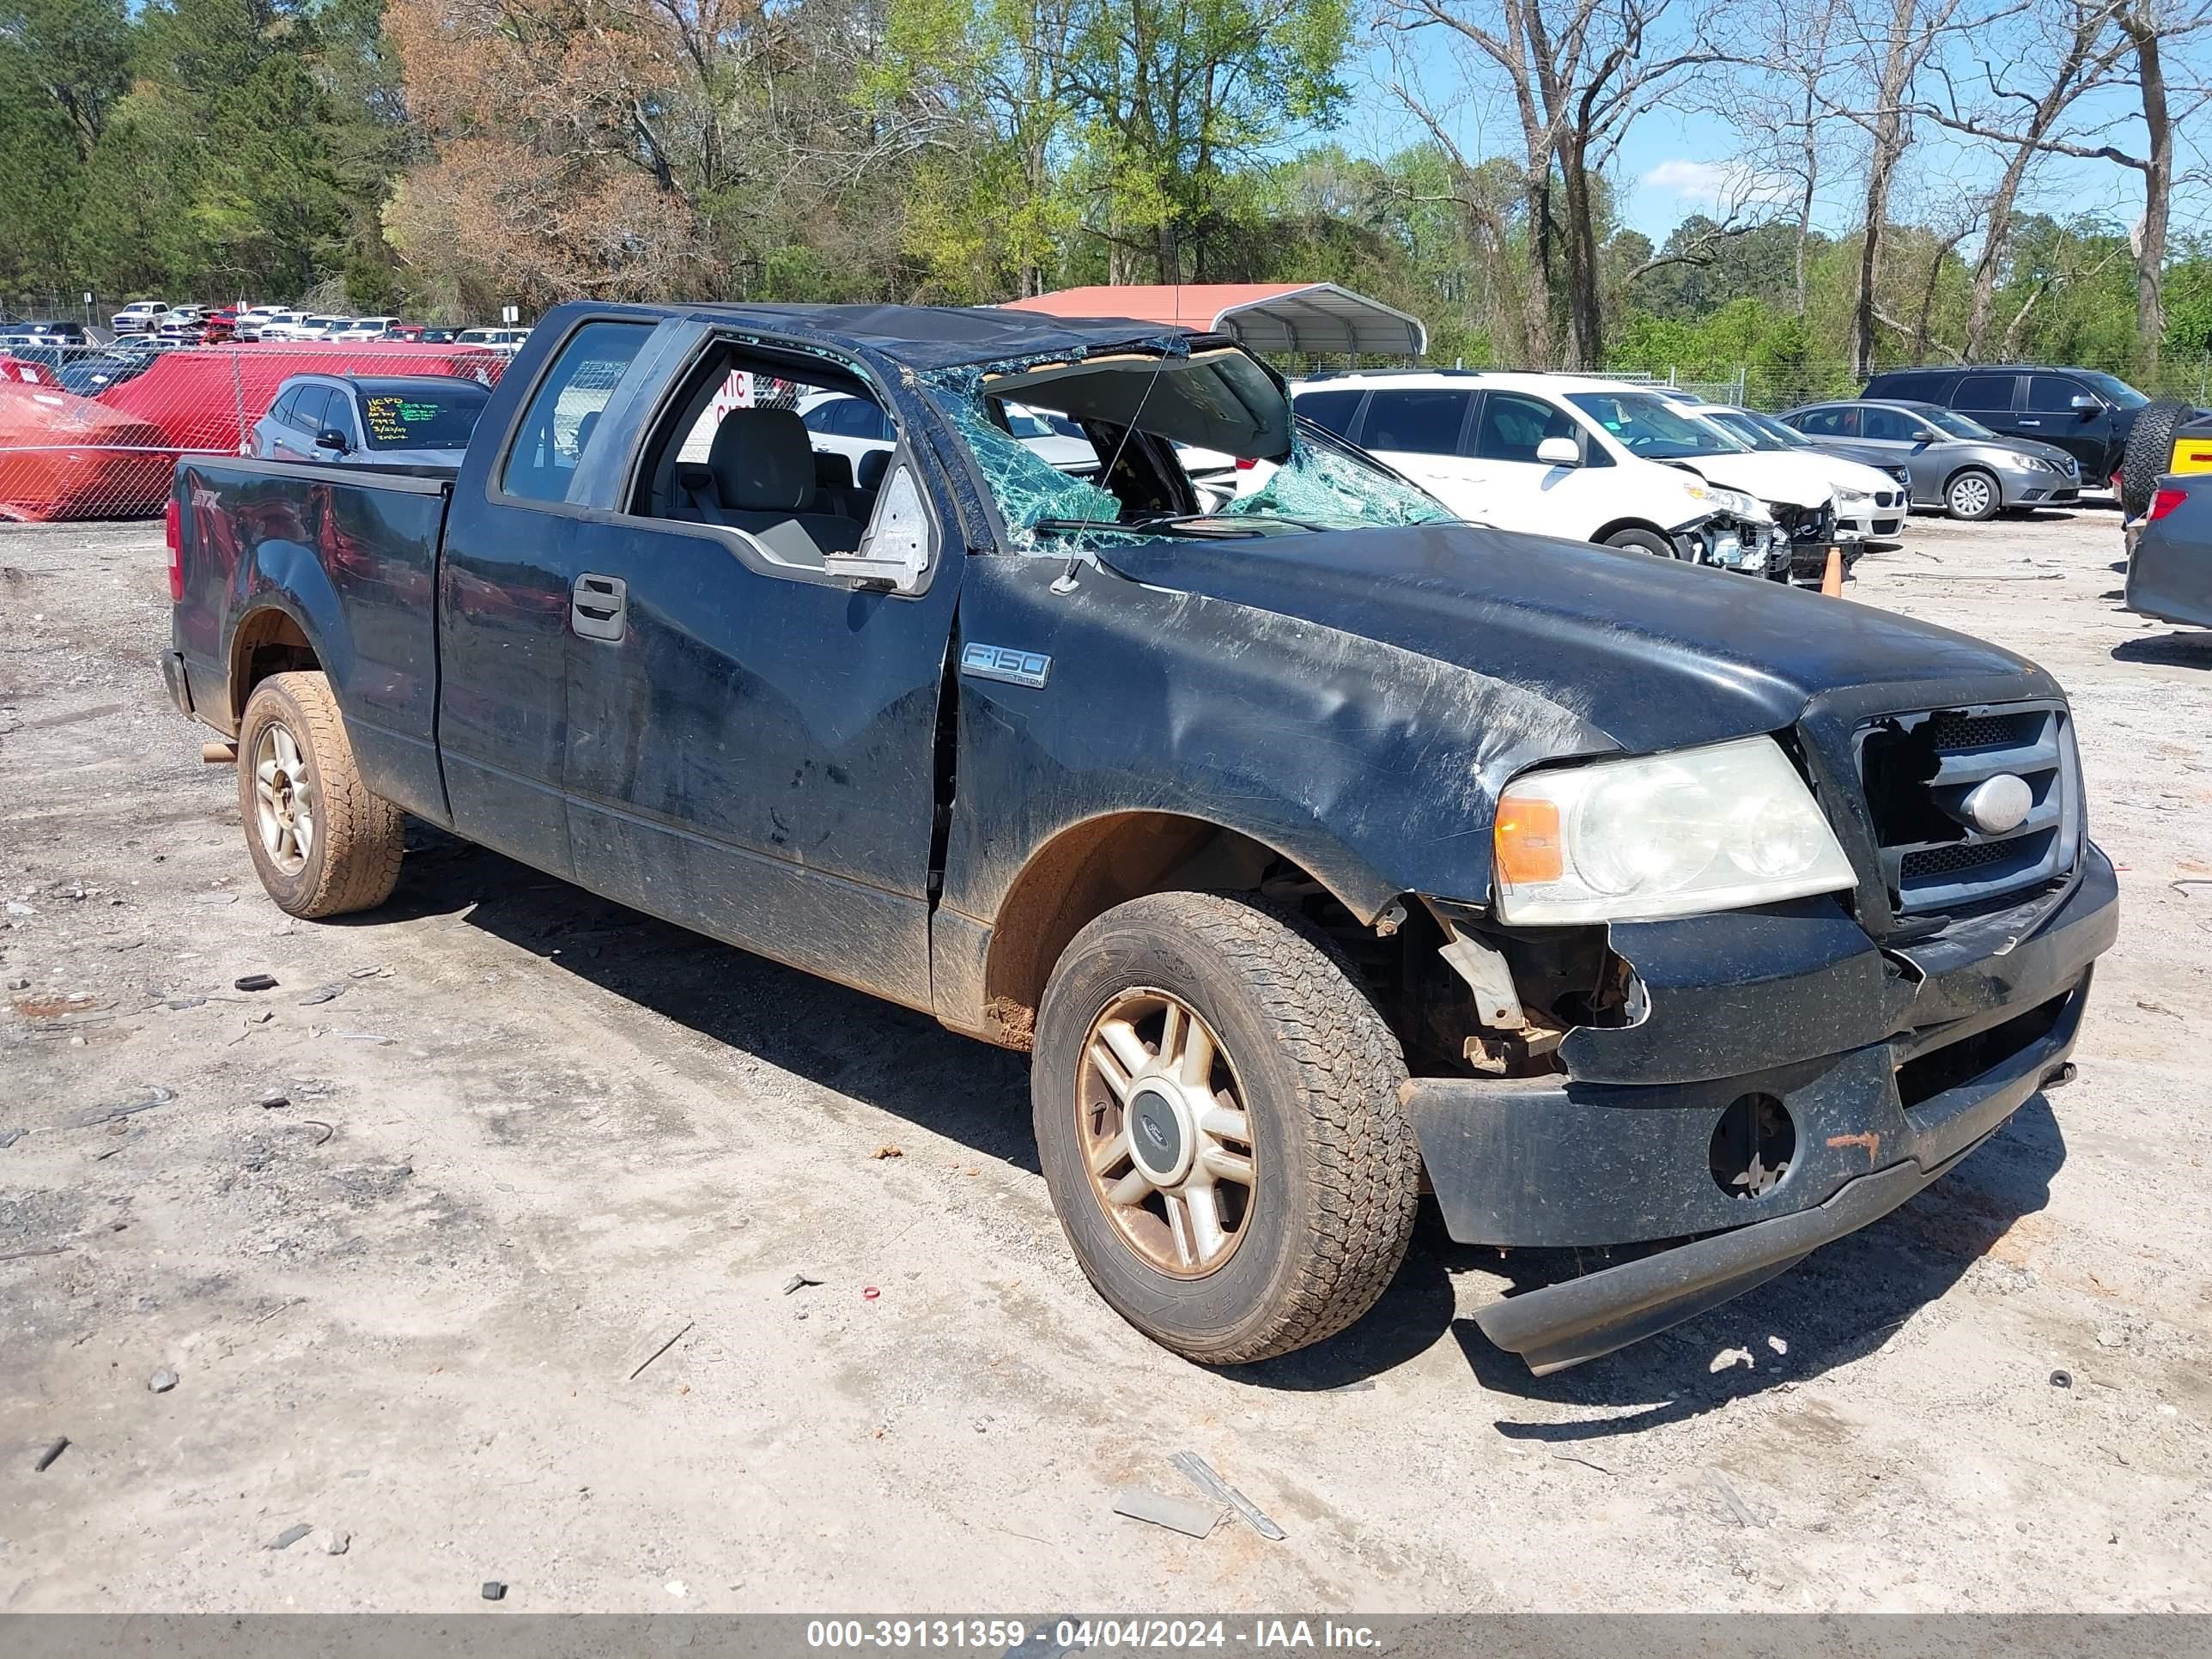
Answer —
(1217, 400)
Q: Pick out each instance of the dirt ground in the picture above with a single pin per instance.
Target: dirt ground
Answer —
(534, 1135)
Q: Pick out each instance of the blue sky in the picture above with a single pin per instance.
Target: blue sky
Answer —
(1677, 163)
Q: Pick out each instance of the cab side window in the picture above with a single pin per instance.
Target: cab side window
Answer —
(565, 410)
(1830, 422)
(339, 417)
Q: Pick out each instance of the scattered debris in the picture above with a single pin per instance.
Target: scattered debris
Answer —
(155, 1097)
(363, 1037)
(1177, 1514)
(214, 898)
(663, 1337)
(47, 1457)
(1737, 1507)
(289, 1536)
(19, 985)
(328, 1129)
(887, 1150)
(2062, 1379)
(493, 1590)
(677, 1588)
(869, 1293)
(2110, 1336)
(2158, 1008)
(1569, 1457)
(331, 1541)
(1777, 1344)
(9, 1137)
(796, 1281)
(1727, 1358)
(178, 1005)
(255, 982)
(161, 1381)
(270, 1103)
(2183, 885)
(321, 993)
(1202, 1476)
(1358, 1385)
(378, 972)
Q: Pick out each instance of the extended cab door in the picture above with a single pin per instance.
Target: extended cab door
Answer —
(504, 592)
(1992, 398)
(752, 744)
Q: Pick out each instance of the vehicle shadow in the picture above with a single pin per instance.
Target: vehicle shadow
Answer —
(2167, 650)
(1841, 1303)
(902, 1062)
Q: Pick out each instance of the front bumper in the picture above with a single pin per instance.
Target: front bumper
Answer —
(1919, 1054)
(2024, 488)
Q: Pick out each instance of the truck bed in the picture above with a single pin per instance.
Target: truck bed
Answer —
(350, 554)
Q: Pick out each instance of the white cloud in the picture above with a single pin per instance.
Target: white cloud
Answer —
(1715, 186)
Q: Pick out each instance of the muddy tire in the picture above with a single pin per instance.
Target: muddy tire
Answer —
(1201, 1046)
(322, 844)
(2149, 455)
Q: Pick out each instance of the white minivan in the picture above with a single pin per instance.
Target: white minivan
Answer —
(1555, 455)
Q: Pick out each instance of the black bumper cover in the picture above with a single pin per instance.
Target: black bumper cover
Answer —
(1551, 1162)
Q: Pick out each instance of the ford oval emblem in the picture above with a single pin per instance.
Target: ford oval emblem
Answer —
(1998, 804)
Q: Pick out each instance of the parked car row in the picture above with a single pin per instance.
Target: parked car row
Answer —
(199, 325)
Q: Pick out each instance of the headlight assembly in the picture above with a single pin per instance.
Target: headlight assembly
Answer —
(2036, 464)
(1636, 840)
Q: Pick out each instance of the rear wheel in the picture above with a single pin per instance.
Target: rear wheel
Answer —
(1217, 1115)
(2149, 455)
(1972, 495)
(1643, 541)
(321, 843)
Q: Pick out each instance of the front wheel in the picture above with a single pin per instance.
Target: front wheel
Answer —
(1973, 495)
(1643, 541)
(1217, 1116)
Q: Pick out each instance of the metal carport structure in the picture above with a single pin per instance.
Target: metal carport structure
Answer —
(1310, 319)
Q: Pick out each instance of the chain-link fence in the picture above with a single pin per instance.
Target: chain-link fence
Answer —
(94, 433)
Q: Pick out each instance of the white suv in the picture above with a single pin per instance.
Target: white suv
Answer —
(1559, 455)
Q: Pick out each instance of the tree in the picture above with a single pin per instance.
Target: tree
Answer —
(1578, 73)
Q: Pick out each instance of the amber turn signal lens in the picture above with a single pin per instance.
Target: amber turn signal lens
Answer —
(1528, 849)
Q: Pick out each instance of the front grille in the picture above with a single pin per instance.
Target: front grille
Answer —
(1885, 498)
(1919, 770)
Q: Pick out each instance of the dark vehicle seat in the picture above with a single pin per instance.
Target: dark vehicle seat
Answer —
(834, 489)
(873, 466)
(761, 479)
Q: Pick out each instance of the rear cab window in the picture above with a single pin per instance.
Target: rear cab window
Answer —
(550, 439)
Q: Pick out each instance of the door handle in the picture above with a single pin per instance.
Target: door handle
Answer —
(599, 606)
(2030, 421)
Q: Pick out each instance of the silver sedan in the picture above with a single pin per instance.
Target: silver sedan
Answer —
(1955, 463)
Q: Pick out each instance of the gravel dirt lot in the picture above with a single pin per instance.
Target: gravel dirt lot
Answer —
(534, 1134)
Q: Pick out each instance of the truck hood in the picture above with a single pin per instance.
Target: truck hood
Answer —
(1652, 654)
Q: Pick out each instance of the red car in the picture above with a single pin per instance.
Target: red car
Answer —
(220, 325)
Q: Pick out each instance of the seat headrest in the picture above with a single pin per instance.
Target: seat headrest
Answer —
(585, 427)
(762, 461)
(873, 466)
(832, 470)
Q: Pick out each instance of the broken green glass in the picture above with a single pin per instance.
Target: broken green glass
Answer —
(1329, 489)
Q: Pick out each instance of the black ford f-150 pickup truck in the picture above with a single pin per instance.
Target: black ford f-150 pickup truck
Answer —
(1316, 845)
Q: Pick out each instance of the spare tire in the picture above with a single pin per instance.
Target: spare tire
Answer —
(2149, 455)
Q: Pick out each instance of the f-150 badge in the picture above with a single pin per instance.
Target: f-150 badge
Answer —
(1003, 662)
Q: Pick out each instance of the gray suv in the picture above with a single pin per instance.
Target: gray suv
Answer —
(384, 420)
(1953, 463)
